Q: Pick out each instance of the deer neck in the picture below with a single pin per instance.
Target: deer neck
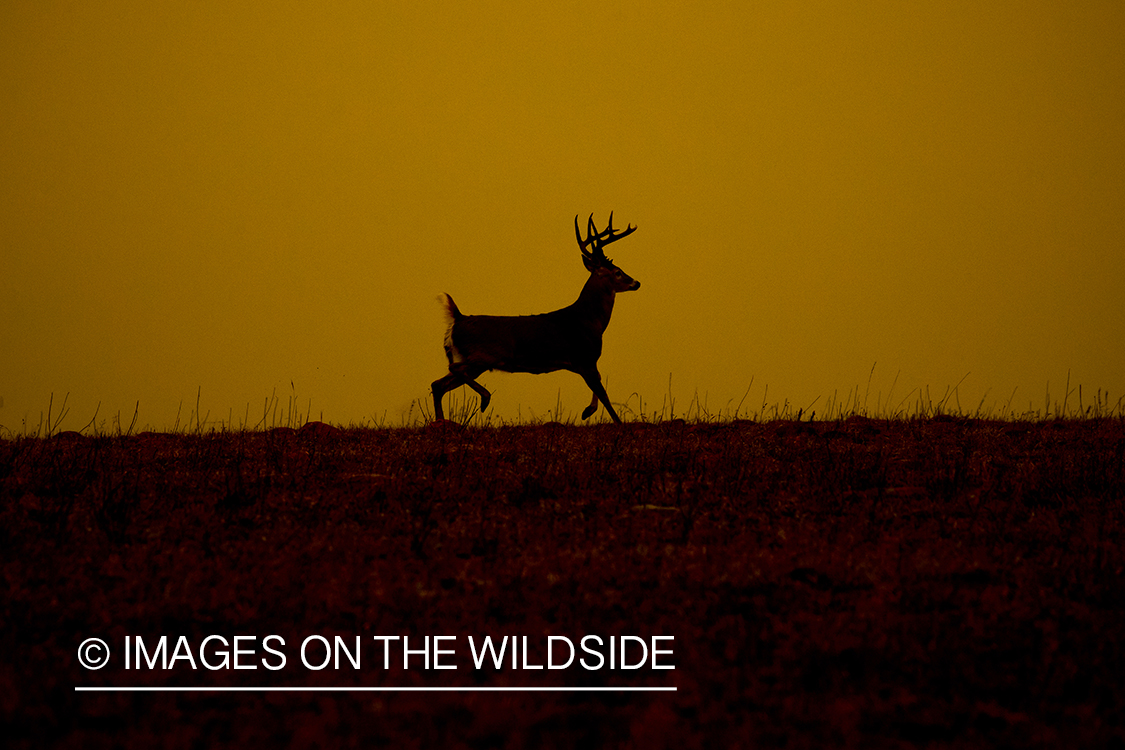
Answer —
(595, 303)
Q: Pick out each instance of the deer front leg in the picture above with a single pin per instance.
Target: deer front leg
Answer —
(594, 379)
(593, 407)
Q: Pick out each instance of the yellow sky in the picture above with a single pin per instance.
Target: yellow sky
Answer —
(233, 202)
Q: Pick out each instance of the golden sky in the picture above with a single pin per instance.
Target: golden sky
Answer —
(238, 201)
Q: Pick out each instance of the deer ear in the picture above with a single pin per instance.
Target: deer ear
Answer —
(589, 262)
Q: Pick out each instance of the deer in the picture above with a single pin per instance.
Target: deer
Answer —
(566, 339)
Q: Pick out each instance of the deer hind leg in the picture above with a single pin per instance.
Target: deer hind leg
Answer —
(458, 377)
(594, 379)
(469, 375)
(440, 387)
(485, 396)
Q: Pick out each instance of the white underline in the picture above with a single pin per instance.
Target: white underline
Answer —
(510, 689)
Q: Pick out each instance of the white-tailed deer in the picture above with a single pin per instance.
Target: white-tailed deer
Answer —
(566, 339)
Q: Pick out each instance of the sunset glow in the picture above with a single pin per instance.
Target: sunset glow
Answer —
(204, 202)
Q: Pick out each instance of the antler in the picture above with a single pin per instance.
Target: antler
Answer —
(598, 240)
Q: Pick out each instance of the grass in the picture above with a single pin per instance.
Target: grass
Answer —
(462, 408)
(919, 403)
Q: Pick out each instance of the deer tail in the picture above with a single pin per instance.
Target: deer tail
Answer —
(449, 307)
(452, 315)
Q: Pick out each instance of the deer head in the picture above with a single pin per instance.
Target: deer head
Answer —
(594, 257)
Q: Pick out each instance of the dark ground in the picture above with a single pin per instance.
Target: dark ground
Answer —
(941, 582)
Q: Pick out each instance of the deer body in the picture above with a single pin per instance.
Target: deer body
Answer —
(565, 339)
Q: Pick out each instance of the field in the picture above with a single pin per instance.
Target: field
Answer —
(945, 582)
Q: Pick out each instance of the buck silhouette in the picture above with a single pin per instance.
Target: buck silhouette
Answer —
(566, 339)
